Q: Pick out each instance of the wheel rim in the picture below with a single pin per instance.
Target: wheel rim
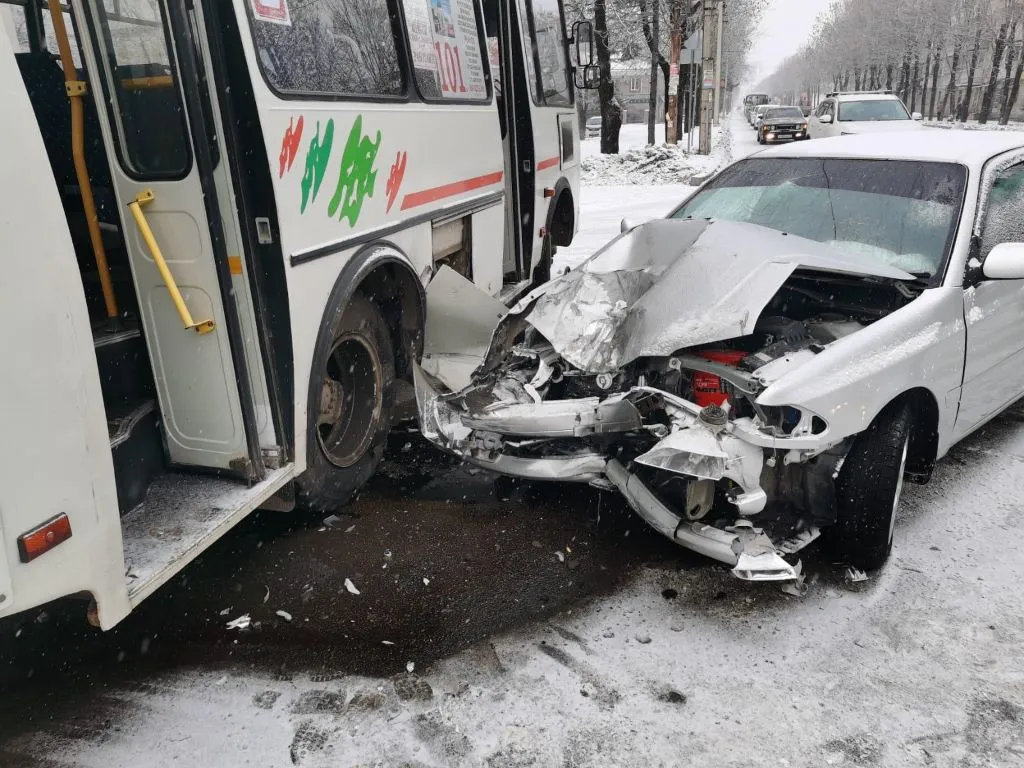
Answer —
(351, 400)
(899, 488)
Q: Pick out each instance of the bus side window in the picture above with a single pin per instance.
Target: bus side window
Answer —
(548, 66)
(331, 48)
(444, 37)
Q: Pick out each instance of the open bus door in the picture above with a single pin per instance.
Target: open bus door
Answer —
(159, 119)
(539, 125)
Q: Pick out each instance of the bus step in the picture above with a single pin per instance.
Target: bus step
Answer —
(137, 448)
(125, 374)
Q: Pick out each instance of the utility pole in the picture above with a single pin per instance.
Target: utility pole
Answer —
(718, 59)
(707, 94)
(671, 108)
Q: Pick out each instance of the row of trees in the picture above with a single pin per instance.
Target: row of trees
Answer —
(642, 30)
(959, 59)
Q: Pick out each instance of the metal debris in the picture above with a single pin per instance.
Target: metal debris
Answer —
(796, 588)
(351, 587)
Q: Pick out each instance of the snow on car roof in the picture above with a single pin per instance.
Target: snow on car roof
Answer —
(866, 97)
(972, 148)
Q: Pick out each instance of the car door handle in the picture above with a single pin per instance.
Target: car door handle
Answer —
(145, 197)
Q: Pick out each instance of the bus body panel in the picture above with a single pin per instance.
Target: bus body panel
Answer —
(56, 457)
(388, 170)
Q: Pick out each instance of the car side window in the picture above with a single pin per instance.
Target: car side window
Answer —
(1003, 211)
(830, 110)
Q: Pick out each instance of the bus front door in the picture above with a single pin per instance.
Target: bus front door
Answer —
(161, 176)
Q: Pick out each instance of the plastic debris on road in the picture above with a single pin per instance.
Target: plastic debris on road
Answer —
(284, 615)
(796, 588)
(242, 622)
(351, 587)
(855, 575)
(410, 666)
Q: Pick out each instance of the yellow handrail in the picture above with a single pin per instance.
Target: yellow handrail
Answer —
(76, 91)
(135, 206)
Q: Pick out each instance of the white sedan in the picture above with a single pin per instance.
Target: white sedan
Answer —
(767, 364)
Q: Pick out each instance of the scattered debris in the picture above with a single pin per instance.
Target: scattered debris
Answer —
(332, 521)
(266, 595)
(351, 587)
(854, 575)
(671, 696)
(226, 611)
(242, 622)
(643, 639)
(386, 642)
(410, 666)
(561, 556)
(407, 447)
(796, 588)
(350, 529)
(426, 582)
(284, 615)
(387, 553)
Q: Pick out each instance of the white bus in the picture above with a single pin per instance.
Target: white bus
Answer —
(217, 221)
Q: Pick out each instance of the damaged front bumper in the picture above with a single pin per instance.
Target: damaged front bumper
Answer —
(575, 441)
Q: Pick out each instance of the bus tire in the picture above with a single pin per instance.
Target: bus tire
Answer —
(353, 412)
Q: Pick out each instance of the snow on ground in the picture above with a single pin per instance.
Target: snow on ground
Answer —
(638, 163)
(974, 125)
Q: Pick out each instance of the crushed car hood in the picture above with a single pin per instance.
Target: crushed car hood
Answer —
(671, 284)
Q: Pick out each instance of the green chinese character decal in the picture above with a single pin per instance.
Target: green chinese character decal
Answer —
(357, 176)
(316, 162)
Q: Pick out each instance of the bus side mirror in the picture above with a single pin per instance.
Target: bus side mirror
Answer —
(583, 39)
(587, 78)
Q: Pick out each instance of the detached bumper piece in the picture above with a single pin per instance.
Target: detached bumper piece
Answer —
(751, 553)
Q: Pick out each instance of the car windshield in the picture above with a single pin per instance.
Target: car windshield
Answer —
(902, 213)
(784, 112)
(877, 109)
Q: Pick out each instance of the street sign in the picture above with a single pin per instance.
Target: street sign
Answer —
(709, 83)
(694, 42)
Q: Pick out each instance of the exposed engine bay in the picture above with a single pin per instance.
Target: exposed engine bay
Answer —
(587, 380)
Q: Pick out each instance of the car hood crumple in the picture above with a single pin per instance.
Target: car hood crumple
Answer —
(671, 284)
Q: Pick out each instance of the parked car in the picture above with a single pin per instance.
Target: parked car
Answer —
(767, 364)
(780, 124)
(759, 114)
(841, 114)
(593, 127)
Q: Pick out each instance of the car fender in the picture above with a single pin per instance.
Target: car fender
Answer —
(921, 345)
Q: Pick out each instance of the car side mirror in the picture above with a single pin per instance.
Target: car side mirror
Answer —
(917, 116)
(1004, 262)
(625, 225)
(583, 39)
(587, 78)
(825, 119)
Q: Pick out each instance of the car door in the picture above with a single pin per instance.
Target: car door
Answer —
(994, 309)
(814, 126)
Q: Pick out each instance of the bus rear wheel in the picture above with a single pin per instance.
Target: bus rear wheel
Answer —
(353, 409)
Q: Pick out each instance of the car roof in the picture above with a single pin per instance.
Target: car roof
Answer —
(971, 148)
(866, 97)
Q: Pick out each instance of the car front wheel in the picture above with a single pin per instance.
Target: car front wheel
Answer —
(868, 490)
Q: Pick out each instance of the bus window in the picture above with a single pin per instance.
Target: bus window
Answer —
(152, 139)
(12, 19)
(51, 38)
(331, 48)
(548, 68)
(444, 36)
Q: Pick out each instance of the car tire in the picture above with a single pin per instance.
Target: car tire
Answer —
(346, 447)
(868, 490)
(542, 271)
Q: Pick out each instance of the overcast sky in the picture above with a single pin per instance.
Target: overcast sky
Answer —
(785, 26)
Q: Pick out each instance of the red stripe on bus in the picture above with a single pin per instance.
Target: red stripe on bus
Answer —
(544, 164)
(414, 199)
